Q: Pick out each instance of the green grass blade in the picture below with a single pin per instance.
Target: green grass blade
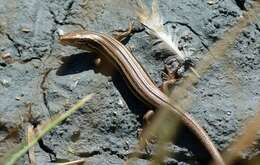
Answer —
(13, 156)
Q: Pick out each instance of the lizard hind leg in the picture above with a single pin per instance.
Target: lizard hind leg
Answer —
(145, 139)
(102, 65)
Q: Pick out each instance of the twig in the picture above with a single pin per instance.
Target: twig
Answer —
(81, 161)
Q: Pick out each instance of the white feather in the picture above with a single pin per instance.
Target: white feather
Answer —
(154, 22)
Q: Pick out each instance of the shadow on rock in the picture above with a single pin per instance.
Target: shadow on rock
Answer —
(77, 63)
(185, 138)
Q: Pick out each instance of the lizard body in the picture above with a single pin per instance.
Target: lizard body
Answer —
(140, 82)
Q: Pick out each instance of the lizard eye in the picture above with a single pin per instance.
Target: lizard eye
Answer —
(80, 41)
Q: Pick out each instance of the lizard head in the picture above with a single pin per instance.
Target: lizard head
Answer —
(80, 40)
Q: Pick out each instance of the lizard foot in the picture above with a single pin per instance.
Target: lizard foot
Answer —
(169, 77)
(144, 141)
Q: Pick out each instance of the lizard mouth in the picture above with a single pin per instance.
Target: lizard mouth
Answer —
(65, 39)
(68, 38)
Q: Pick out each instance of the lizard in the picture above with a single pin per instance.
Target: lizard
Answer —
(137, 79)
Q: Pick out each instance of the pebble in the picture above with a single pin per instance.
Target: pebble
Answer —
(120, 103)
(5, 83)
(25, 30)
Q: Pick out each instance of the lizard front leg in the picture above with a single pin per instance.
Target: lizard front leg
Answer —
(122, 35)
(174, 70)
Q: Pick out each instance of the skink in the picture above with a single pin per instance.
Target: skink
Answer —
(140, 82)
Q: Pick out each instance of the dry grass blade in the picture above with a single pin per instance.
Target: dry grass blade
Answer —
(164, 127)
(31, 153)
(11, 157)
(245, 140)
(217, 50)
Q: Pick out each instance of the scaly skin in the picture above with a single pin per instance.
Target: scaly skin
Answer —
(139, 81)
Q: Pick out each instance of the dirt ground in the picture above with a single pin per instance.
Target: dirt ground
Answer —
(105, 130)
